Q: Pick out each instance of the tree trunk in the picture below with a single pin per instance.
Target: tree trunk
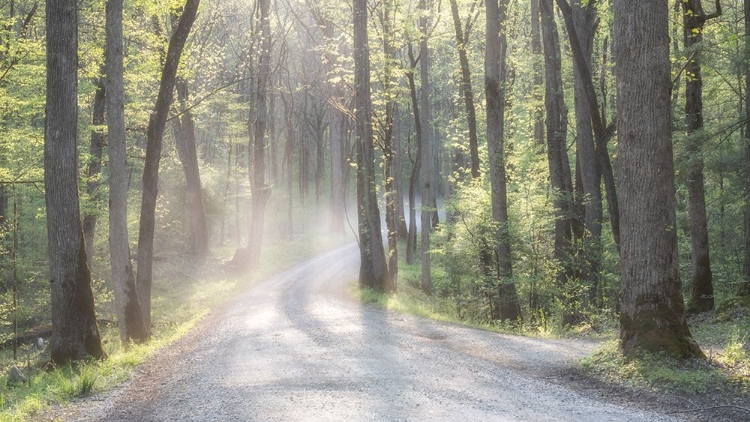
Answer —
(94, 170)
(74, 330)
(495, 75)
(338, 195)
(538, 76)
(585, 22)
(129, 313)
(154, 135)
(186, 150)
(426, 172)
(744, 288)
(468, 93)
(652, 315)
(559, 167)
(702, 290)
(411, 242)
(373, 270)
(389, 150)
(259, 189)
(583, 67)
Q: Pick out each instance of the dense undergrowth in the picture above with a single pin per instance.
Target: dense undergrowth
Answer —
(184, 292)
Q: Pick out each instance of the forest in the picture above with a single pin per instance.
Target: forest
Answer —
(531, 162)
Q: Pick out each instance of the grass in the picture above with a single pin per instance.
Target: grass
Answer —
(725, 339)
(183, 293)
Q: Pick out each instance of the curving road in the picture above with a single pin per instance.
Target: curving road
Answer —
(296, 347)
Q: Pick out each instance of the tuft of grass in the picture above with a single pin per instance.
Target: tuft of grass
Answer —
(658, 372)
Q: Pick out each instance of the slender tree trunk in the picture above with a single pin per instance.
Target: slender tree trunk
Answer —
(559, 167)
(495, 77)
(426, 171)
(583, 67)
(129, 313)
(155, 134)
(585, 22)
(411, 243)
(338, 131)
(744, 288)
(373, 271)
(538, 76)
(94, 170)
(403, 232)
(468, 93)
(186, 150)
(652, 315)
(389, 150)
(702, 290)
(74, 331)
(259, 189)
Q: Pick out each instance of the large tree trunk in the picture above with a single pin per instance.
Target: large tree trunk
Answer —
(129, 313)
(426, 172)
(702, 289)
(495, 75)
(652, 315)
(94, 170)
(74, 330)
(154, 135)
(186, 150)
(471, 117)
(373, 270)
(559, 166)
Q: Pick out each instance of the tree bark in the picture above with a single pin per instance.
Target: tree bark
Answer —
(468, 93)
(186, 150)
(259, 189)
(154, 135)
(559, 166)
(585, 21)
(495, 76)
(744, 287)
(129, 313)
(74, 331)
(94, 170)
(389, 150)
(373, 271)
(426, 171)
(538, 76)
(652, 315)
(411, 242)
(702, 290)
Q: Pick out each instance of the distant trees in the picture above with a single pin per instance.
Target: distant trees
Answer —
(653, 313)
(74, 331)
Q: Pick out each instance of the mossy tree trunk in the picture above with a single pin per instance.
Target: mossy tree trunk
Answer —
(652, 315)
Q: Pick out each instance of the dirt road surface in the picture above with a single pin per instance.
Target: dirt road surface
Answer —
(297, 347)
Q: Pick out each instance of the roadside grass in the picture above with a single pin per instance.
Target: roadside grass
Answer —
(724, 337)
(183, 293)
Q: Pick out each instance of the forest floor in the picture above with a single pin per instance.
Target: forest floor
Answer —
(298, 346)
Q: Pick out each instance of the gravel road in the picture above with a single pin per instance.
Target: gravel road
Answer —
(297, 347)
